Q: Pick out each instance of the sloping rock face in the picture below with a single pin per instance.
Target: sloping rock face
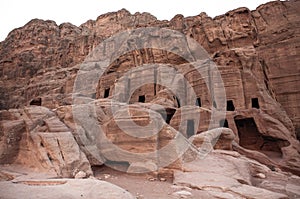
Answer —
(226, 174)
(51, 143)
(36, 138)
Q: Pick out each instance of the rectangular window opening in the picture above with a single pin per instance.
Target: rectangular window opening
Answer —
(255, 103)
(198, 102)
(142, 98)
(106, 92)
(230, 106)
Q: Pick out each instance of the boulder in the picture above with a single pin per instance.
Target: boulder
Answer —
(38, 139)
(218, 138)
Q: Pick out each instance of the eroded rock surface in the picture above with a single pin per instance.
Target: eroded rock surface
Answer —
(227, 174)
(46, 127)
(264, 41)
(45, 143)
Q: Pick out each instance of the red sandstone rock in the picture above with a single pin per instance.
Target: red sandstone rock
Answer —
(256, 54)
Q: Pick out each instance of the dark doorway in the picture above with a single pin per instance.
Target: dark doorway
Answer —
(298, 133)
(224, 123)
(198, 102)
(142, 98)
(230, 106)
(106, 92)
(170, 114)
(169, 117)
(251, 138)
(255, 103)
(36, 102)
(190, 130)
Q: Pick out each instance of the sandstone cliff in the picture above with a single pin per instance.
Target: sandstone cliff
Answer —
(39, 60)
(256, 53)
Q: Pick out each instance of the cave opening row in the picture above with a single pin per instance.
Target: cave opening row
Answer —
(229, 104)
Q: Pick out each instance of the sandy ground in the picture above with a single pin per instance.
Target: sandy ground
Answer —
(145, 186)
(141, 186)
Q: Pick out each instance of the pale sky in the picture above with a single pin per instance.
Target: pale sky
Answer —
(16, 13)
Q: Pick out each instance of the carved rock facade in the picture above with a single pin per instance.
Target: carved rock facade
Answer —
(256, 54)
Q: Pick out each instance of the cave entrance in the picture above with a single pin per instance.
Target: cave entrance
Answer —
(190, 130)
(198, 102)
(142, 98)
(251, 138)
(255, 103)
(106, 92)
(170, 114)
(36, 102)
(230, 106)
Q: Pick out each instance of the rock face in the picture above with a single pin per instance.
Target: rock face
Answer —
(227, 174)
(43, 57)
(52, 108)
(219, 138)
(36, 138)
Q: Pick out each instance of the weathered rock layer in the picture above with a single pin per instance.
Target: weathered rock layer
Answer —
(40, 60)
(50, 120)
